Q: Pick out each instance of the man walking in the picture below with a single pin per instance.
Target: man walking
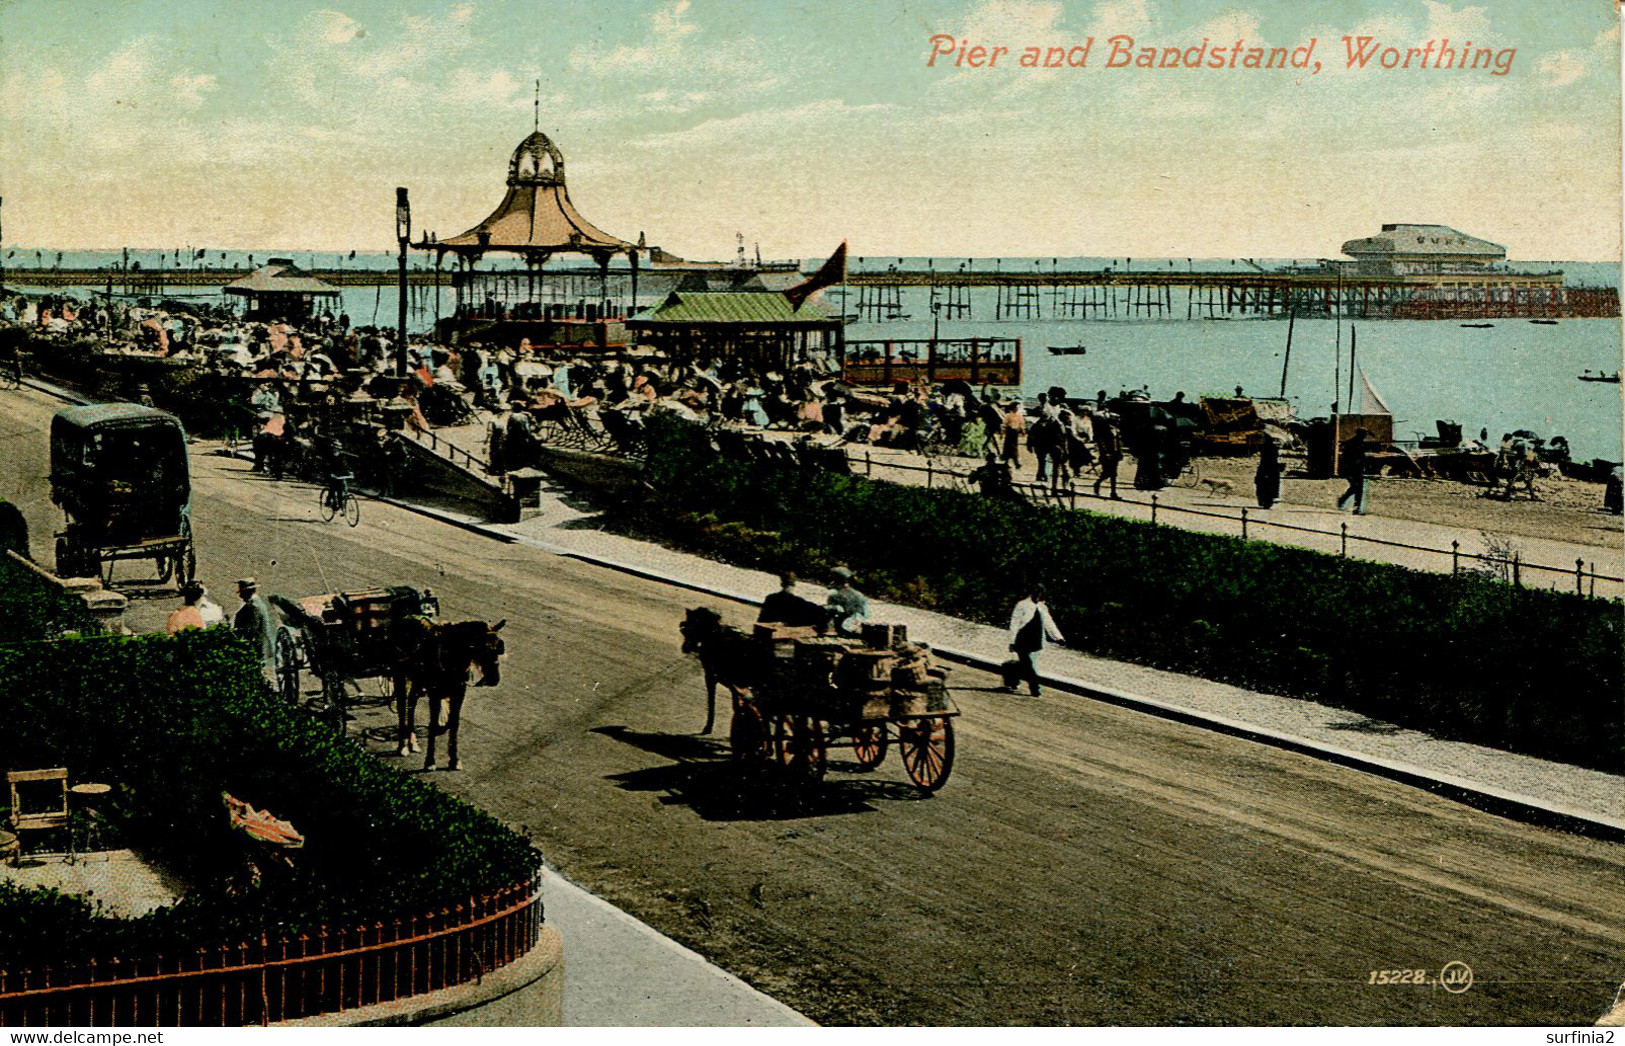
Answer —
(1353, 469)
(1108, 449)
(1015, 425)
(256, 624)
(1031, 627)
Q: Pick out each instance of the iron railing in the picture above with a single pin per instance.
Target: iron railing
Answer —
(269, 980)
(449, 450)
(1511, 567)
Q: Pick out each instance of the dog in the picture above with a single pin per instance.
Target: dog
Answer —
(1217, 486)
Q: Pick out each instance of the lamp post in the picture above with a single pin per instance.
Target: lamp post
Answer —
(403, 233)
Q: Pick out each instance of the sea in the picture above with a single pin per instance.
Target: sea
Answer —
(1509, 376)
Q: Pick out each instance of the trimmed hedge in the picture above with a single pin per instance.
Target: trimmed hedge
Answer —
(176, 720)
(1462, 656)
(208, 404)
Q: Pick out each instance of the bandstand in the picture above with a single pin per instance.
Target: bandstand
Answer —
(534, 222)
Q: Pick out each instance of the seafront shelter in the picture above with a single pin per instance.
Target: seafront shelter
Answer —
(279, 290)
(763, 330)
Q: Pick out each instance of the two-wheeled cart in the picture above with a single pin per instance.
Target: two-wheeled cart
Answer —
(818, 694)
(342, 638)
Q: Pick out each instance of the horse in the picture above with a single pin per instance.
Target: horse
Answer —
(728, 656)
(436, 659)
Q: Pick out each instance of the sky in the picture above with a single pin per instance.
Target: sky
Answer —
(242, 124)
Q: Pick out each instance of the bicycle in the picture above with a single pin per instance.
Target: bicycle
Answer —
(11, 373)
(336, 498)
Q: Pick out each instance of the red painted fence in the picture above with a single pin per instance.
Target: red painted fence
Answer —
(265, 981)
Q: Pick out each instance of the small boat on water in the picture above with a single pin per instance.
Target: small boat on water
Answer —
(1067, 350)
(1548, 323)
(1476, 326)
(1612, 379)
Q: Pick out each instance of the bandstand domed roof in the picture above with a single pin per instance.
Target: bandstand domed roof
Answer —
(536, 215)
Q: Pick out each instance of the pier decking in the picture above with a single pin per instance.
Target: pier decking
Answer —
(1039, 293)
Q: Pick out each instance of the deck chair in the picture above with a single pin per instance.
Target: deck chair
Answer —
(597, 433)
(39, 803)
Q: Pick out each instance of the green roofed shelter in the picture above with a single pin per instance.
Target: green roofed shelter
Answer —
(763, 330)
(280, 290)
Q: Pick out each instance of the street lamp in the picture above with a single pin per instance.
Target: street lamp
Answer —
(403, 233)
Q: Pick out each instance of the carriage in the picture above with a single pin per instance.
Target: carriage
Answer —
(342, 638)
(120, 473)
(815, 694)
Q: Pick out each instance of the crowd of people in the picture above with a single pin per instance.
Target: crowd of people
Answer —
(322, 389)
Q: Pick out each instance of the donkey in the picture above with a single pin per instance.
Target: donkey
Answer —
(727, 655)
(436, 659)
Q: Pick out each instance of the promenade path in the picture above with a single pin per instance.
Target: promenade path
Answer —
(1379, 536)
(1376, 536)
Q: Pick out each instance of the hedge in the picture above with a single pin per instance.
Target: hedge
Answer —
(1463, 656)
(176, 720)
(208, 404)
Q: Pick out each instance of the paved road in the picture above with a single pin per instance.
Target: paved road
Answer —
(1084, 865)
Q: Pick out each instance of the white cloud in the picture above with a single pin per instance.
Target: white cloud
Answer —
(751, 127)
(190, 88)
(1122, 16)
(668, 22)
(662, 50)
(1462, 24)
(496, 90)
(1230, 27)
(124, 72)
(1560, 68)
(336, 27)
(1011, 22)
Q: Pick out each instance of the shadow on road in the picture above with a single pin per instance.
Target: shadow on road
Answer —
(703, 776)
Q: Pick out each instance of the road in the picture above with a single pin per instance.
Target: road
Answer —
(1085, 864)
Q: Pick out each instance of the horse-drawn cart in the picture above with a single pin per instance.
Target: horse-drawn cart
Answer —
(798, 695)
(342, 638)
(120, 473)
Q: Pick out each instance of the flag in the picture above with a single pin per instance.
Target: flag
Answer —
(829, 274)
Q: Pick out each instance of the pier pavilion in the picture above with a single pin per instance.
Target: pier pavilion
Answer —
(1416, 250)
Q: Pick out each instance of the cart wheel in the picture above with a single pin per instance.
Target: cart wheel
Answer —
(352, 510)
(186, 565)
(747, 737)
(927, 749)
(165, 565)
(869, 745)
(287, 673)
(809, 754)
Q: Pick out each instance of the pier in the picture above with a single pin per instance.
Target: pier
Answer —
(1018, 295)
(1039, 294)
